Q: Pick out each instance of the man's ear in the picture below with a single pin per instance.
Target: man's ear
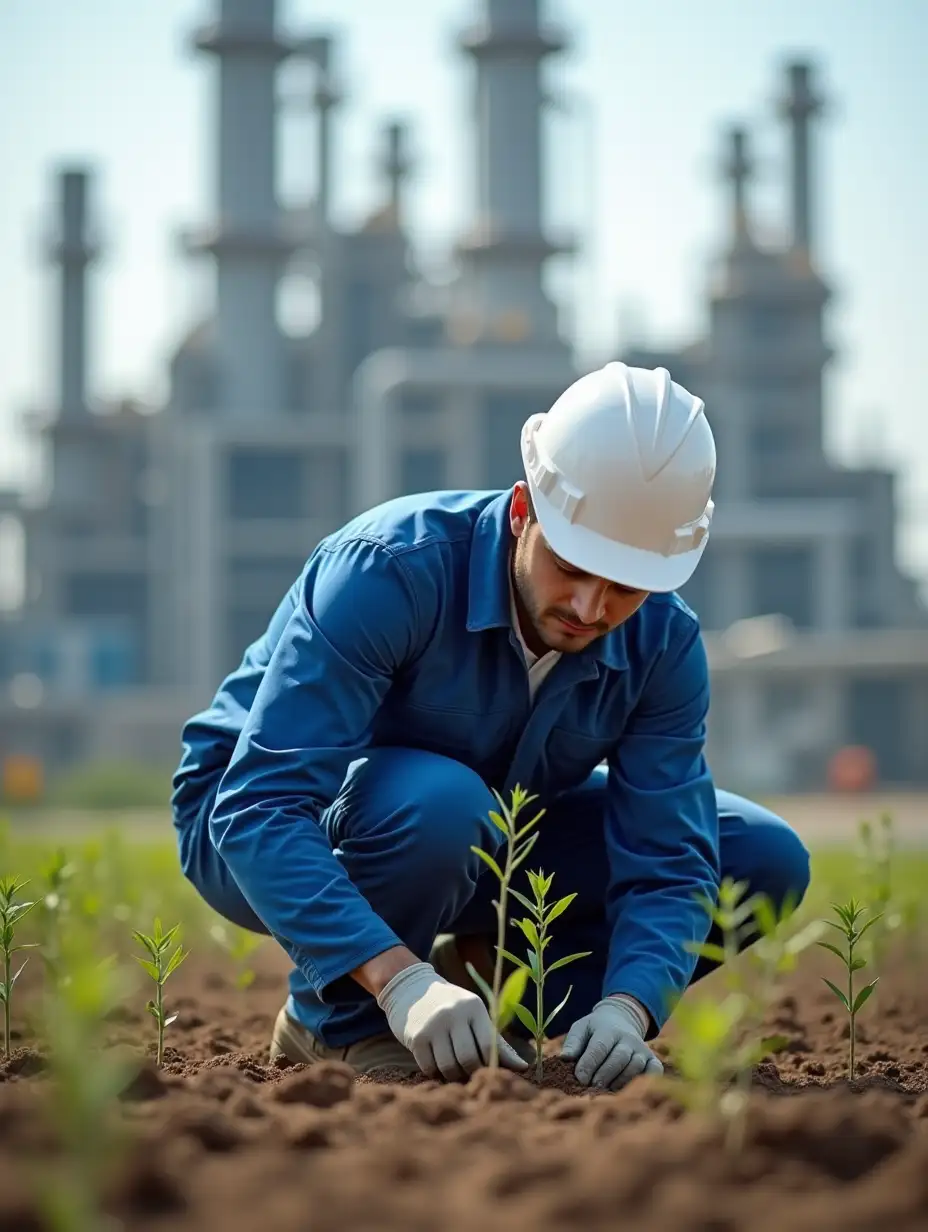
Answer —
(518, 508)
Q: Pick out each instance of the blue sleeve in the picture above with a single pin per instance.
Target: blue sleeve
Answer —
(662, 832)
(353, 626)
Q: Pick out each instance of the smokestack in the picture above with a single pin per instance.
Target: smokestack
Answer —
(72, 251)
(508, 243)
(325, 98)
(396, 164)
(798, 105)
(737, 170)
(508, 48)
(248, 241)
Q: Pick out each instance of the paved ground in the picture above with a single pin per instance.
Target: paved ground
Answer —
(834, 819)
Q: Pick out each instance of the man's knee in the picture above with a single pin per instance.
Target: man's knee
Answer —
(425, 809)
(203, 867)
(767, 852)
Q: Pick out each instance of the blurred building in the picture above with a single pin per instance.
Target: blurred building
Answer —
(166, 536)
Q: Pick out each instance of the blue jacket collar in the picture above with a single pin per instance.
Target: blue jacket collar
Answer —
(488, 584)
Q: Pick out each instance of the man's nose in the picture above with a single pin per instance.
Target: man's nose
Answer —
(589, 602)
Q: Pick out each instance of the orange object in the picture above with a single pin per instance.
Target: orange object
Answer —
(23, 780)
(852, 769)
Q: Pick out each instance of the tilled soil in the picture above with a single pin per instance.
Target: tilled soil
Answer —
(220, 1138)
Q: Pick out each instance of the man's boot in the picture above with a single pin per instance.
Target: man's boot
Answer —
(292, 1040)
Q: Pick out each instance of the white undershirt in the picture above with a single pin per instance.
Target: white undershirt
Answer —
(538, 666)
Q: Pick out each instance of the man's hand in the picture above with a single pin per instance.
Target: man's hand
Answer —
(610, 1047)
(447, 1029)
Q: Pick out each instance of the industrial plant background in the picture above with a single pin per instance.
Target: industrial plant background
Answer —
(161, 538)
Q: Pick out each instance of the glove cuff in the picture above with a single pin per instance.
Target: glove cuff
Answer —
(420, 975)
(632, 1008)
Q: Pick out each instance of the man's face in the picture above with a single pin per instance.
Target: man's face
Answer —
(561, 608)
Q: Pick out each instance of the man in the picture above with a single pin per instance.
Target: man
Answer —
(442, 645)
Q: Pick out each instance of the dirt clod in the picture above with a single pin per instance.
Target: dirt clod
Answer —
(321, 1086)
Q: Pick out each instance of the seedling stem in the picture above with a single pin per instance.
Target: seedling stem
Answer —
(848, 914)
(159, 967)
(10, 914)
(502, 999)
(536, 933)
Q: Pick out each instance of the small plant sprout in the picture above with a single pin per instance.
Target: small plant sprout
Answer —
(239, 944)
(848, 914)
(879, 865)
(86, 1081)
(11, 913)
(710, 1055)
(503, 998)
(774, 946)
(536, 933)
(56, 874)
(159, 967)
(720, 1042)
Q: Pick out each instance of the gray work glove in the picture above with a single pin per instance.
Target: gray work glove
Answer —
(609, 1043)
(447, 1029)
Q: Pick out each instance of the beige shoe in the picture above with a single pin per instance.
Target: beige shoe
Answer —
(292, 1040)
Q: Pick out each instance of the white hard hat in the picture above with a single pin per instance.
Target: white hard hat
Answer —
(620, 472)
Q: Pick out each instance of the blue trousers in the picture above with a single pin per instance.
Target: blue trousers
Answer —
(403, 825)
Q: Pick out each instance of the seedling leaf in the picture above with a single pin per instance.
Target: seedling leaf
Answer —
(826, 945)
(176, 959)
(562, 962)
(869, 924)
(864, 996)
(150, 967)
(489, 861)
(519, 962)
(557, 1009)
(839, 994)
(526, 902)
(531, 932)
(527, 1018)
(707, 949)
(559, 908)
(498, 821)
(520, 859)
(511, 996)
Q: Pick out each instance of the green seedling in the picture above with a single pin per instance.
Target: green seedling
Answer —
(239, 944)
(721, 1042)
(503, 998)
(776, 951)
(86, 1080)
(56, 874)
(536, 933)
(877, 849)
(710, 1054)
(848, 914)
(11, 913)
(900, 913)
(159, 967)
(774, 947)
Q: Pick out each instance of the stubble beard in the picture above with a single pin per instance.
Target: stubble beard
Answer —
(527, 606)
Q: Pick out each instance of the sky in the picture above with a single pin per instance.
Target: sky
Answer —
(632, 154)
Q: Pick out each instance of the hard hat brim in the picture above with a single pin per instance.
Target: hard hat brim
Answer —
(616, 562)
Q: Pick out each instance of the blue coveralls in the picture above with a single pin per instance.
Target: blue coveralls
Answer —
(331, 793)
